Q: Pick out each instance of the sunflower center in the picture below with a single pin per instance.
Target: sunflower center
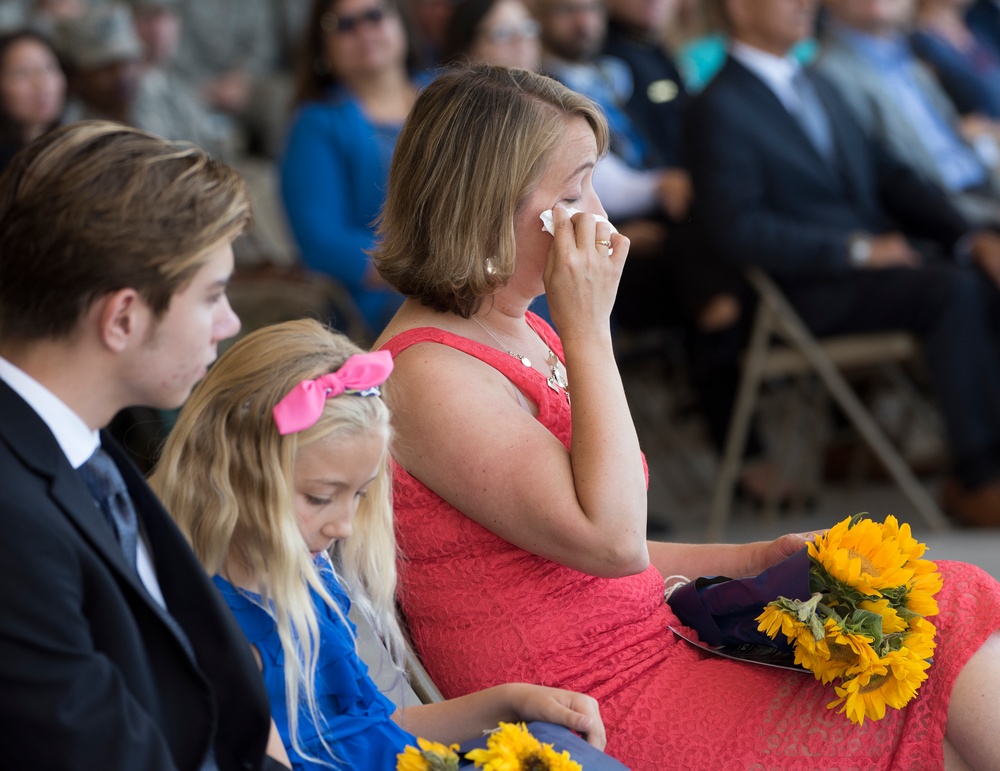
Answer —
(867, 566)
(534, 762)
(842, 653)
(874, 684)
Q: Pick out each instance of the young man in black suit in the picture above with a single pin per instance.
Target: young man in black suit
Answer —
(786, 180)
(115, 650)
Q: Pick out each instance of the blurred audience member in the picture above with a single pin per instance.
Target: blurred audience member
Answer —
(13, 15)
(353, 92)
(430, 20)
(699, 39)
(494, 32)
(32, 91)
(166, 103)
(983, 18)
(103, 55)
(866, 56)
(291, 17)
(45, 15)
(968, 68)
(228, 49)
(672, 277)
(658, 96)
(787, 180)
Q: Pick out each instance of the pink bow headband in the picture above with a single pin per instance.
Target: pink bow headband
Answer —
(361, 374)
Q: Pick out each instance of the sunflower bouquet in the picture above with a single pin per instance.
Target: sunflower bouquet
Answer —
(511, 747)
(863, 628)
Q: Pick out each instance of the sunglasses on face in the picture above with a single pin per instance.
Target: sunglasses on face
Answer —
(342, 25)
(527, 29)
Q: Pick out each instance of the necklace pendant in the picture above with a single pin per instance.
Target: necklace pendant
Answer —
(556, 385)
(523, 359)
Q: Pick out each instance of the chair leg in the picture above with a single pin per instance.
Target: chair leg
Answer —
(739, 425)
(863, 421)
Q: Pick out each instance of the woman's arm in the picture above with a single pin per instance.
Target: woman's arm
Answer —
(465, 718)
(715, 559)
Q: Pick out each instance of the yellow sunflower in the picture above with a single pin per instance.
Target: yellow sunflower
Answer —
(891, 621)
(512, 748)
(891, 683)
(775, 619)
(863, 555)
(920, 639)
(909, 545)
(432, 756)
(840, 654)
(920, 596)
(558, 761)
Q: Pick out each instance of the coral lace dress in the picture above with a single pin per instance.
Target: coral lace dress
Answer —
(482, 612)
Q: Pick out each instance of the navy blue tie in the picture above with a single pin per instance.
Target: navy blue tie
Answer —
(107, 486)
(812, 116)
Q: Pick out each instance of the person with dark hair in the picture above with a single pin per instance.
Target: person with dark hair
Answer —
(492, 31)
(353, 91)
(32, 90)
(102, 54)
(115, 650)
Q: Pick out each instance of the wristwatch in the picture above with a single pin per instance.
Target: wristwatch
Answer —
(859, 250)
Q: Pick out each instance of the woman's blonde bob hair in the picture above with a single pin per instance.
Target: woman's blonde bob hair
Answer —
(226, 476)
(474, 147)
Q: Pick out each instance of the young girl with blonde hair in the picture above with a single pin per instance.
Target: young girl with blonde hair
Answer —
(279, 461)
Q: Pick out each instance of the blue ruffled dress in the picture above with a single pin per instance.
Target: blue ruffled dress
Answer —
(359, 727)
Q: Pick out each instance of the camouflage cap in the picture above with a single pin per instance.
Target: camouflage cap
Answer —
(103, 35)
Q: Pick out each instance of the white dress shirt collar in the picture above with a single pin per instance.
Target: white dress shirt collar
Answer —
(77, 440)
(776, 71)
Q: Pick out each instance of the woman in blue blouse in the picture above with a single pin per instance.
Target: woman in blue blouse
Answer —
(353, 91)
(279, 457)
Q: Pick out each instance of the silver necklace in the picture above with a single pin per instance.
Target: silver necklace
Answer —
(556, 380)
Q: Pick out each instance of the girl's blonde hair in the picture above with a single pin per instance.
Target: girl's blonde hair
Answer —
(226, 476)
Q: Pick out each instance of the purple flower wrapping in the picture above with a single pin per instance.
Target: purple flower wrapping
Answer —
(723, 610)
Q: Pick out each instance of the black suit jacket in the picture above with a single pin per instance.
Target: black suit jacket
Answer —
(768, 198)
(90, 675)
(658, 98)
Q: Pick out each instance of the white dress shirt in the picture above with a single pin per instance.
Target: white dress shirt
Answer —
(78, 442)
(776, 71)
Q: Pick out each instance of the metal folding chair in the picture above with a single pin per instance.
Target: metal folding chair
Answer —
(800, 353)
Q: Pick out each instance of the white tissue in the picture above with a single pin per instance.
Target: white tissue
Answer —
(548, 227)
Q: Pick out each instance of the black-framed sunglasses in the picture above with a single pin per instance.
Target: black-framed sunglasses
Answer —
(331, 22)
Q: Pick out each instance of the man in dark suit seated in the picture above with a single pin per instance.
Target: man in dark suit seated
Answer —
(115, 650)
(787, 181)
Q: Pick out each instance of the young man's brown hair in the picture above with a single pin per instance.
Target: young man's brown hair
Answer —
(95, 207)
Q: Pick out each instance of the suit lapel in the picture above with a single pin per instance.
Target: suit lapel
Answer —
(850, 159)
(760, 100)
(30, 438)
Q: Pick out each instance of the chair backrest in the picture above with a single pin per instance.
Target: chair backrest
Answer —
(269, 293)
(420, 681)
(825, 358)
